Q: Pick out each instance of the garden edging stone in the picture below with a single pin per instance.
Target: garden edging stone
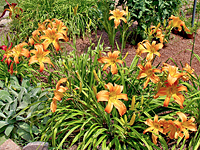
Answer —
(36, 146)
(9, 145)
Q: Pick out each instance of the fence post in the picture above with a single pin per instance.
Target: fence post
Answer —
(194, 10)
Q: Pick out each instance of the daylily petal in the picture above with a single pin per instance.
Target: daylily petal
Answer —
(109, 107)
(53, 106)
(120, 107)
(114, 69)
(102, 96)
(166, 102)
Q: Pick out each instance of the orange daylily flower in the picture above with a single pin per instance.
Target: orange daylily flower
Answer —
(19, 50)
(145, 46)
(140, 49)
(173, 74)
(172, 91)
(112, 97)
(190, 125)
(52, 36)
(58, 94)
(148, 72)
(35, 38)
(111, 60)
(155, 126)
(61, 28)
(12, 9)
(117, 15)
(39, 56)
(177, 22)
(189, 72)
(172, 128)
(158, 33)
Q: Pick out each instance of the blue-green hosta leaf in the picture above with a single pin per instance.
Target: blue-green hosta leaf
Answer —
(35, 130)
(21, 93)
(26, 82)
(13, 106)
(5, 96)
(22, 105)
(25, 135)
(3, 123)
(24, 126)
(2, 103)
(2, 115)
(9, 130)
(14, 81)
(19, 118)
(35, 91)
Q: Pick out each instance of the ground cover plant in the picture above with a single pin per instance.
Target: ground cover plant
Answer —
(93, 99)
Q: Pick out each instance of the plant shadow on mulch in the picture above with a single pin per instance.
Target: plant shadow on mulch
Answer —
(178, 48)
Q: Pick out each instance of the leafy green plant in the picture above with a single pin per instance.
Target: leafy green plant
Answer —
(37, 11)
(17, 104)
(147, 12)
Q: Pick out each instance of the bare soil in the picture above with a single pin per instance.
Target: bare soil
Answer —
(178, 49)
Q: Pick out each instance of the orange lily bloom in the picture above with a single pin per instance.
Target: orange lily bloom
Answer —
(158, 33)
(58, 94)
(112, 97)
(51, 36)
(117, 15)
(39, 56)
(176, 22)
(187, 124)
(7, 54)
(172, 91)
(18, 51)
(111, 60)
(189, 72)
(155, 126)
(173, 129)
(35, 38)
(61, 28)
(148, 72)
(173, 74)
(140, 49)
(11, 10)
(150, 49)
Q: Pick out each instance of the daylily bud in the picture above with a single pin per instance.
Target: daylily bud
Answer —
(142, 100)
(133, 103)
(136, 105)
(132, 119)
(75, 9)
(80, 88)
(122, 120)
(95, 75)
(94, 90)
(100, 54)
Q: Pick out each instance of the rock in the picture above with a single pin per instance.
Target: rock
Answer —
(9, 145)
(36, 146)
(4, 22)
(5, 15)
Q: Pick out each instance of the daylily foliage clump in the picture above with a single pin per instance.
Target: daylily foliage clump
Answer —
(85, 87)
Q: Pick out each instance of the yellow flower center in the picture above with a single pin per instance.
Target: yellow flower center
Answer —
(112, 97)
(149, 72)
(156, 125)
(112, 61)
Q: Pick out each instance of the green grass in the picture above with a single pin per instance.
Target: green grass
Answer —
(3, 2)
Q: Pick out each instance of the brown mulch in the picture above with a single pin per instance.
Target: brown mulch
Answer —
(177, 48)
